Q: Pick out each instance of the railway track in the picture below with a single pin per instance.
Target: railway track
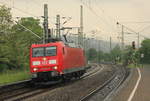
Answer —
(23, 90)
(101, 92)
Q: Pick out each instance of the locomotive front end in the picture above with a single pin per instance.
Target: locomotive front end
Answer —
(44, 63)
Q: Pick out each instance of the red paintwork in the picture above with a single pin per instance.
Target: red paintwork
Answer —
(72, 58)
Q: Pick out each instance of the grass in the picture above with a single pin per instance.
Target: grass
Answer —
(13, 76)
(133, 65)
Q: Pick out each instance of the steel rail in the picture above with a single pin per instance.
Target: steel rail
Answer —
(7, 86)
(101, 87)
(24, 88)
(87, 97)
(13, 87)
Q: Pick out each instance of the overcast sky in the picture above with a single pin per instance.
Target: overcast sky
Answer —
(100, 15)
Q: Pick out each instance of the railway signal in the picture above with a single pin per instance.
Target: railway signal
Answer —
(133, 45)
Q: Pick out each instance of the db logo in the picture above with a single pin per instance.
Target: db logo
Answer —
(44, 62)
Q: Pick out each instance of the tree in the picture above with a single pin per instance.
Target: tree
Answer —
(100, 56)
(20, 41)
(107, 57)
(145, 49)
(128, 54)
(5, 20)
(115, 53)
(15, 44)
(5, 27)
(92, 54)
(131, 55)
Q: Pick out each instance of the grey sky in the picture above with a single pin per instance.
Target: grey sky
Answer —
(108, 11)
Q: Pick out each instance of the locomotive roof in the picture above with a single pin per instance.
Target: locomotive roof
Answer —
(55, 44)
(47, 44)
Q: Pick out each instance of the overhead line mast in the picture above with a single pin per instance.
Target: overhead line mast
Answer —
(45, 24)
(81, 20)
(80, 38)
(58, 36)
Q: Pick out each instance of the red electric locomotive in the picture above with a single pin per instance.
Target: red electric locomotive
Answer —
(56, 60)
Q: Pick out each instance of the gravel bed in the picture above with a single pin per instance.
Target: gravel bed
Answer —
(75, 91)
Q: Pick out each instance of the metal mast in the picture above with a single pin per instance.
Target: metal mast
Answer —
(45, 24)
(122, 37)
(110, 43)
(81, 26)
(138, 40)
(58, 27)
(81, 21)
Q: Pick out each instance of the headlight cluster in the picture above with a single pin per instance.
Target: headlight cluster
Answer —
(52, 61)
(55, 67)
(35, 69)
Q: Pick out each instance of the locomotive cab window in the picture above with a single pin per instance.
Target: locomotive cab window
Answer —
(50, 51)
(44, 51)
(37, 52)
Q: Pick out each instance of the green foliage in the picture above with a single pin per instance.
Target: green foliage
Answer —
(98, 56)
(5, 27)
(20, 40)
(115, 53)
(107, 57)
(13, 76)
(5, 19)
(130, 56)
(15, 41)
(145, 48)
(92, 54)
(24, 35)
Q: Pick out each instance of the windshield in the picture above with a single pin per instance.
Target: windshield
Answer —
(44, 51)
(38, 52)
(50, 51)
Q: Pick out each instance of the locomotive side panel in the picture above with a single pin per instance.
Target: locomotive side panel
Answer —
(73, 60)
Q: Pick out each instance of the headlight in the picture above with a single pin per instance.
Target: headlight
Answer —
(34, 63)
(52, 61)
(55, 67)
(35, 69)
